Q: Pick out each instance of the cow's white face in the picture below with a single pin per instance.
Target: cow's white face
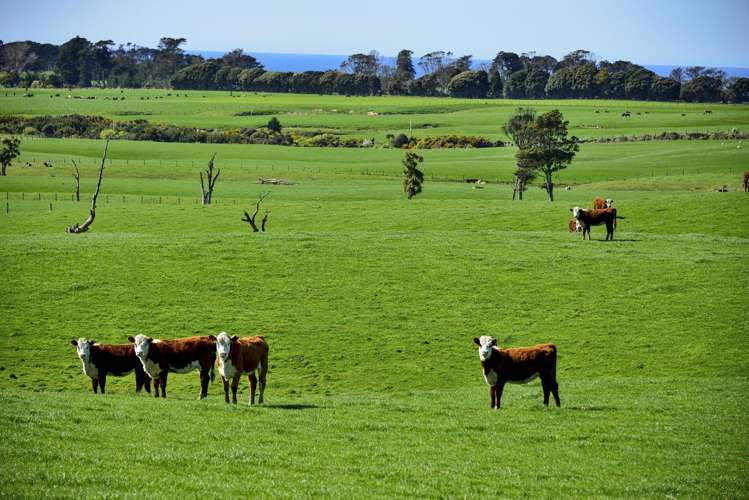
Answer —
(486, 347)
(576, 212)
(223, 345)
(142, 343)
(83, 346)
(609, 202)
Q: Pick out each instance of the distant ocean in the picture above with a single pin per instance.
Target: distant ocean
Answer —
(324, 62)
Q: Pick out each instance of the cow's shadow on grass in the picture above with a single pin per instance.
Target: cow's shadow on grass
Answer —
(618, 239)
(291, 406)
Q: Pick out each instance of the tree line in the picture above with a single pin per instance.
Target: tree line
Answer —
(578, 75)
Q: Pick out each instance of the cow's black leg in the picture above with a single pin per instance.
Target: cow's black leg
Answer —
(555, 392)
(547, 389)
(162, 378)
(234, 385)
(102, 381)
(253, 386)
(95, 385)
(146, 382)
(226, 389)
(500, 388)
(205, 377)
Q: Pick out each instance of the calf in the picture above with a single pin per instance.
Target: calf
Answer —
(237, 356)
(102, 359)
(159, 357)
(518, 366)
(590, 218)
(600, 203)
(575, 226)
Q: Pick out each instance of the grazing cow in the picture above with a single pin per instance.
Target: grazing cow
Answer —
(159, 357)
(237, 356)
(746, 181)
(590, 218)
(102, 359)
(599, 203)
(518, 366)
(575, 226)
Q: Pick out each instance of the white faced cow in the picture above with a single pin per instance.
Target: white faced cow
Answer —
(237, 356)
(100, 360)
(159, 357)
(518, 366)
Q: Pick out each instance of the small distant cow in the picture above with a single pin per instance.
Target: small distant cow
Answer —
(237, 356)
(599, 203)
(517, 366)
(575, 226)
(746, 181)
(590, 218)
(159, 357)
(99, 360)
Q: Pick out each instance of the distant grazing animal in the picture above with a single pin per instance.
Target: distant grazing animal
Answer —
(601, 203)
(159, 357)
(746, 181)
(708, 112)
(102, 359)
(626, 114)
(575, 226)
(518, 366)
(237, 356)
(594, 217)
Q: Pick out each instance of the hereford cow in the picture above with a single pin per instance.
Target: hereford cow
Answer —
(575, 226)
(600, 203)
(159, 357)
(518, 366)
(746, 181)
(102, 359)
(237, 356)
(590, 218)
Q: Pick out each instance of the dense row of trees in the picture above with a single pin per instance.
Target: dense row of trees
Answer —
(79, 62)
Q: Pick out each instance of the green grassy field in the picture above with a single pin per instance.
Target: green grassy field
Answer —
(375, 117)
(369, 303)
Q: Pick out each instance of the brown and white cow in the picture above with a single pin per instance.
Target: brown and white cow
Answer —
(588, 218)
(159, 357)
(517, 366)
(575, 226)
(100, 360)
(600, 203)
(237, 356)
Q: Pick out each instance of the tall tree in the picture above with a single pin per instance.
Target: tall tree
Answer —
(169, 57)
(404, 66)
(547, 149)
(362, 64)
(514, 127)
(74, 62)
(506, 63)
(413, 178)
(677, 74)
(8, 153)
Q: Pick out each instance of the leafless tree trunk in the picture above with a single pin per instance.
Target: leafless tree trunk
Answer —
(82, 228)
(250, 219)
(77, 177)
(208, 193)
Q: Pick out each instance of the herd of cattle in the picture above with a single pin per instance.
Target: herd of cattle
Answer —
(602, 213)
(152, 360)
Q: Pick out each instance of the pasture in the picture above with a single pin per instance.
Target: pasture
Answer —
(369, 303)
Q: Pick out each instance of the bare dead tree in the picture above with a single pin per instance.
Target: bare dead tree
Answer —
(250, 219)
(208, 194)
(77, 177)
(82, 228)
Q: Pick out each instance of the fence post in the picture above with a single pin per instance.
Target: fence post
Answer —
(50, 206)
(7, 208)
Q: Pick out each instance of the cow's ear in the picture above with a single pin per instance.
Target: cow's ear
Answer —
(131, 339)
(476, 341)
(91, 342)
(494, 342)
(571, 210)
(212, 337)
(150, 339)
(74, 342)
(235, 338)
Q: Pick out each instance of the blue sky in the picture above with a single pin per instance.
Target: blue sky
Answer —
(687, 32)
